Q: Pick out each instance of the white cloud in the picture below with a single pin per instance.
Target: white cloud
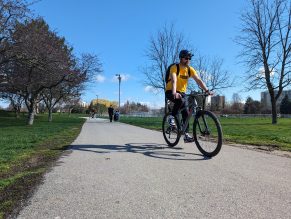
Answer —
(100, 78)
(151, 89)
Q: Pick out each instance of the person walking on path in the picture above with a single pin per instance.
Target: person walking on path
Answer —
(110, 112)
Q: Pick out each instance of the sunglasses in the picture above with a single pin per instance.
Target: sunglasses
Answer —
(187, 58)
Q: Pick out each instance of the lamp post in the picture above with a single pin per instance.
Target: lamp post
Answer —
(119, 79)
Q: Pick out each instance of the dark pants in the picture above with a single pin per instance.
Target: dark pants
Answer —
(178, 104)
(110, 117)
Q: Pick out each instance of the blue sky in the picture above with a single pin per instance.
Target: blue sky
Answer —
(118, 31)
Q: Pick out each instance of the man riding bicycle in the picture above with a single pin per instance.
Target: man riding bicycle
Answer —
(177, 86)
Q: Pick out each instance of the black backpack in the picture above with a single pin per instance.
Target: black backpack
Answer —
(167, 77)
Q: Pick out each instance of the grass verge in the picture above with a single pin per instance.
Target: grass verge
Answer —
(250, 131)
(26, 153)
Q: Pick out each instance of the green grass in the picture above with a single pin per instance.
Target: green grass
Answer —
(252, 131)
(18, 140)
(26, 151)
(258, 131)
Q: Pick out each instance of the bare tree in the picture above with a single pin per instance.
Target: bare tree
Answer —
(237, 105)
(265, 38)
(88, 66)
(163, 50)
(15, 101)
(70, 103)
(212, 73)
(43, 60)
(73, 85)
(52, 96)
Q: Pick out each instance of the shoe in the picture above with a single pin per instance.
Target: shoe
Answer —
(188, 138)
(172, 121)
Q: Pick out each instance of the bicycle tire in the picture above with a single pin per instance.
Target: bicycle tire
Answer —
(208, 138)
(171, 134)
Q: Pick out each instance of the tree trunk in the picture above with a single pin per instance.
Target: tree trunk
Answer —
(17, 114)
(274, 110)
(30, 104)
(17, 111)
(30, 117)
(70, 111)
(50, 115)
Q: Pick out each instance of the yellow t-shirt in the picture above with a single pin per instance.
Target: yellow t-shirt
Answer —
(182, 79)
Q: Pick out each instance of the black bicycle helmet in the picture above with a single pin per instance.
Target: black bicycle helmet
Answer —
(185, 53)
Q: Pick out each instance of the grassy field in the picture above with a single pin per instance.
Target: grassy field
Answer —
(26, 152)
(252, 131)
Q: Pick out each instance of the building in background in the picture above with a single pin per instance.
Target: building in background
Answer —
(217, 103)
(83, 104)
(266, 99)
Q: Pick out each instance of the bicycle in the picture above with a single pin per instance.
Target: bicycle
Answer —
(207, 131)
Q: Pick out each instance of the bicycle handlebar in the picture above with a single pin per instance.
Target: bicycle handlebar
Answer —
(196, 94)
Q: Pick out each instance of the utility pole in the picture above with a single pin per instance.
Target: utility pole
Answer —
(119, 79)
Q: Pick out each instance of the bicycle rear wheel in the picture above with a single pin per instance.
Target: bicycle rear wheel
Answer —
(171, 133)
(207, 133)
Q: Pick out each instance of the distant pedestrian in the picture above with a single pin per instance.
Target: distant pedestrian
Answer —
(93, 113)
(116, 115)
(110, 112)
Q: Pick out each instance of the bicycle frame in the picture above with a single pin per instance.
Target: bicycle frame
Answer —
(190, 109)
(207, 131)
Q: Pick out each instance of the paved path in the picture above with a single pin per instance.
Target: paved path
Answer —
(121, 171)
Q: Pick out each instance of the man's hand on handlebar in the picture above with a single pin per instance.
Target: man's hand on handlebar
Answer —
(209, 92)
(177, 96)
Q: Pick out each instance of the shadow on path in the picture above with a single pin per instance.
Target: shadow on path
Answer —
(153, 150)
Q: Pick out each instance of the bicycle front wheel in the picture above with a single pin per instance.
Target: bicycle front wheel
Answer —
(207, 133)
(171, 132)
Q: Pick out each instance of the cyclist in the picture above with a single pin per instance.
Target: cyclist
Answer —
(177, 85)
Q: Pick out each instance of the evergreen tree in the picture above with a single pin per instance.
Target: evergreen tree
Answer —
(252, 106)
(285, 106)
(247, 105)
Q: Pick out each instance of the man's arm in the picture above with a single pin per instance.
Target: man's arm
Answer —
(201, 84)
(174, 86)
